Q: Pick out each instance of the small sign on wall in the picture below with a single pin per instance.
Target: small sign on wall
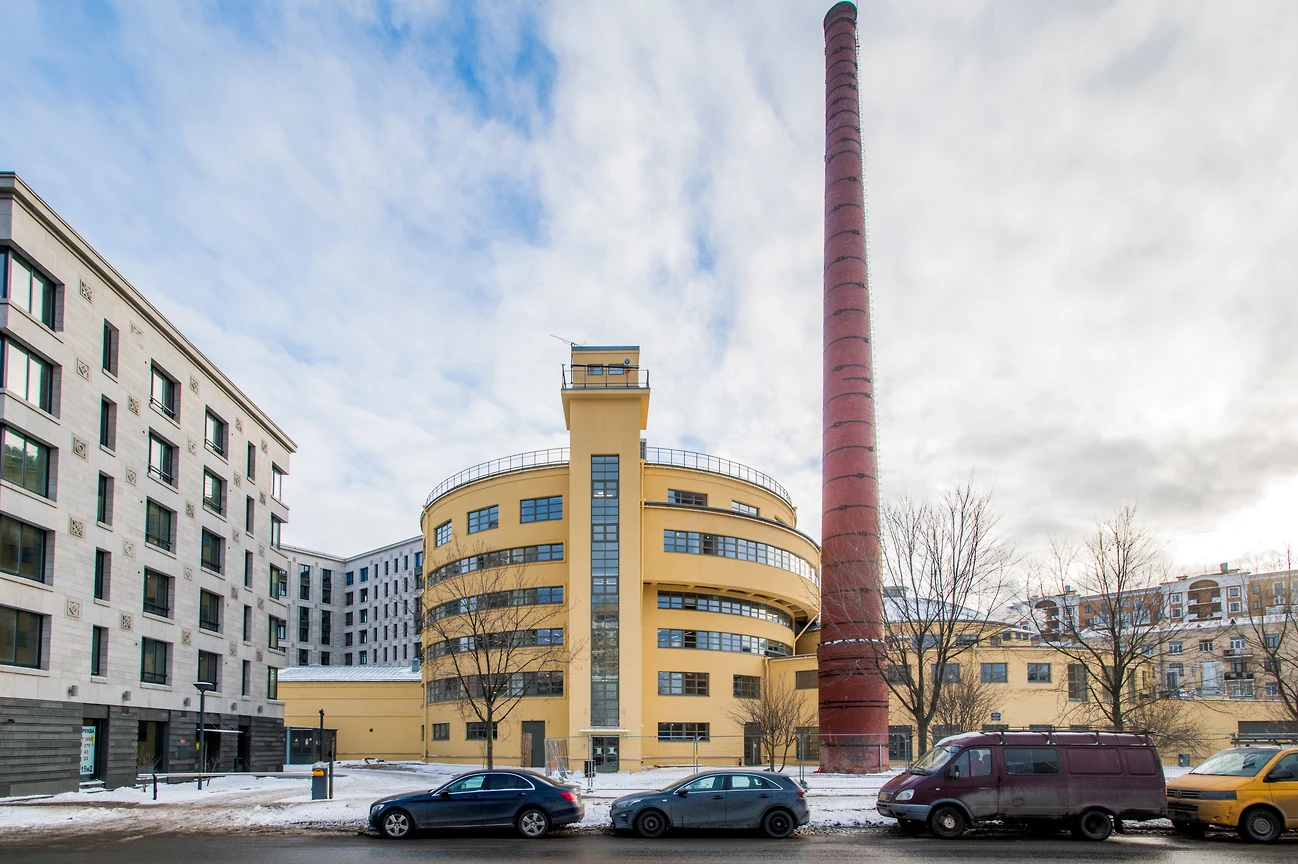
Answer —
(87, 750)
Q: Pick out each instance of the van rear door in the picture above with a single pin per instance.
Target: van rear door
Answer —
(1032, 786)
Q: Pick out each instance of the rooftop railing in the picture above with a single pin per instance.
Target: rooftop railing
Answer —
(604, 377)
(653, 455)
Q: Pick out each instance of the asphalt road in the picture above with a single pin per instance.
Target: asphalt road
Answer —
(125, 848)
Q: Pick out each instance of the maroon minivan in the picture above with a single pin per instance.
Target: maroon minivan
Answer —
(1046, 780)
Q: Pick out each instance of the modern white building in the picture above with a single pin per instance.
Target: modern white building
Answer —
(141, 503)
(361, 610)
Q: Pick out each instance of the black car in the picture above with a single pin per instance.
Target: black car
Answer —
(716, 799)
(533, 804)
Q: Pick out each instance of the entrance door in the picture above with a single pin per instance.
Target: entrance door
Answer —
(533, 743)
(151, 747)
(91, 750)
(752, 744)
(243, 761)
(604, 750)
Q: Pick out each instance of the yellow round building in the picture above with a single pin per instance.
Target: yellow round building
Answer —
(649, 591)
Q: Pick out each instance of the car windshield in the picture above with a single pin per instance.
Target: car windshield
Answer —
(1236, 763)
(933, 759)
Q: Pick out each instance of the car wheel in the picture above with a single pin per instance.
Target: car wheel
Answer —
(1260, 825)
(1093, 824)
(396, 825)
(779, 824)
(947, 822)
(1189, 829)
(651, 824)
(909, 827)
(533, 823)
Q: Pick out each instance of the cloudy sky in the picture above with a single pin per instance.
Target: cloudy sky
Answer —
(372, 215)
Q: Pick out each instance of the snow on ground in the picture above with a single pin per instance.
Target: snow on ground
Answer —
(241, 803)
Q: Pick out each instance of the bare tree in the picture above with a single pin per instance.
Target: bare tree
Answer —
(1170, 724)
(492, 637)
(777, 714)
(966, 704)
(1275, 630)
(1103, 609)
(947, 573)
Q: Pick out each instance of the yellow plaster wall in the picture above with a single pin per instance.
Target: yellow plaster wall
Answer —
(375, 719)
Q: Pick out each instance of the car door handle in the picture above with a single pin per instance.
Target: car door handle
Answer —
(764, 795)
(717, 797)
(519, 794)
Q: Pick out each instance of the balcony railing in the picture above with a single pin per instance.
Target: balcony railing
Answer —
(715, 465)
(604, 377)
(506, 465)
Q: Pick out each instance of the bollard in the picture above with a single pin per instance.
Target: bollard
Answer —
(319, 783)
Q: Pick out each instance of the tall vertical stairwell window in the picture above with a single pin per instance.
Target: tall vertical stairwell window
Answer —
(604, 573)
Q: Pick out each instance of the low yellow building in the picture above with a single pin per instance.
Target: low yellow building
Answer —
(376, 712)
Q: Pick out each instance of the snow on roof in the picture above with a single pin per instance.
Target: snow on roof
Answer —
(348, 673)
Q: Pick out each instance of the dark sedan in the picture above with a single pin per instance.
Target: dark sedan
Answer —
(716, 799)
(531, 803)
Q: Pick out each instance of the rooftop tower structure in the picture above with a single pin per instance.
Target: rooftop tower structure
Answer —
(853, 697)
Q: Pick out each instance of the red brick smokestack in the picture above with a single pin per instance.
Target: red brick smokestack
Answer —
(853, 699)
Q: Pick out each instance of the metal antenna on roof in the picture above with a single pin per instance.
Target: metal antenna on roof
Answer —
(571, 343)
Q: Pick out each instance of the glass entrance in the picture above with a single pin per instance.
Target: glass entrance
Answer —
(604, 750)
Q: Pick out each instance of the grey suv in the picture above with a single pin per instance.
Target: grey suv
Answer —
(716, 799)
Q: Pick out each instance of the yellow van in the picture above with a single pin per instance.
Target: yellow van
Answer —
(1251, 789)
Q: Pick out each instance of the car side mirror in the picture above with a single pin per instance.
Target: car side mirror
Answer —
(444, 793)
(955, 772)
(1279, 774)
(682, 792)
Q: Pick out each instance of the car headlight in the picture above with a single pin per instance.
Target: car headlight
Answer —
(374, 808)
(905, 795)
(1218, 796)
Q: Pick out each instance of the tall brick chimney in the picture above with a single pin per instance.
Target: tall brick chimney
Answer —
(853, 697)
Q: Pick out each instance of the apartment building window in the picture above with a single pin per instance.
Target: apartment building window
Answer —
(209, 611)
(107, 423)
(276, 525)
(365, 636)
(213, 492)
(693, 499)
(806, 679)
(249, 515)
(303, 624)
(164, 393)
(348, 640)
(995, 673)
(245, 679)
(324, 658)
(1173, 647)
(741, 507)
(162, 458)
(747, 687)
(541, 509)
(22, 549)
(209, 668)
(26, 461)
(683, 732)
(103, 573)
(347, 657)
(216, 433)
(252, 461)
(478, 731)
(159, 525)
(442, 534)
(1205, 646)
(484, 519)
(419, 562)
(278, 629)
(213, 553)
(22, 636)
(98, 652)
(111, 337)
(326, 586)
(348, 619)
(247, 623)
(1238, 644)
(272, 683)
(303, 657)
(276, 482)
(950, 672)
(278, 582)
(365, 657)
(365, 577)
(26, 288)
(104, 505)
(441, 731)
(365, 615)
(157, 593)
(326, 626)
(27, 376)
(247, 569)
(365, 594)
(1077, 686)
(155, 659)
(1038, 673)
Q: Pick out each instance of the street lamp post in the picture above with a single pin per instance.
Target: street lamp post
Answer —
(202, 687)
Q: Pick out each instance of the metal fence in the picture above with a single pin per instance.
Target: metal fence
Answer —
(628, 762)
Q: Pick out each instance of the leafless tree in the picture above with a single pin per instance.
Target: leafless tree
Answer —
(492, 637)
(777, 715)
(966, 704)
(1101, 607)
(947, 573)
(1274, 630)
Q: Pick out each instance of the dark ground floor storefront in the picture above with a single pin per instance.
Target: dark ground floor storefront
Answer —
(48, 747)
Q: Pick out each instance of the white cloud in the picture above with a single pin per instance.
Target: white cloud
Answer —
(1080, 238)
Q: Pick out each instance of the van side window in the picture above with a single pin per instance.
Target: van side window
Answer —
(1031, 760)
(975, 762)
(1142, 761)
(1093, 760)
